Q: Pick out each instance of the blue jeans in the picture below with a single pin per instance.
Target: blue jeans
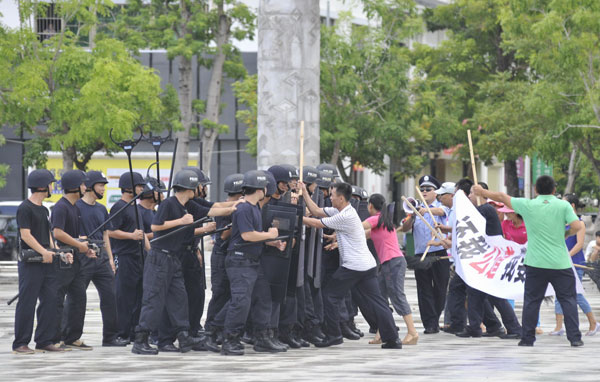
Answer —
(581, 301)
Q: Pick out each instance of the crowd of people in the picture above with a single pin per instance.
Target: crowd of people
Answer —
(342, 256)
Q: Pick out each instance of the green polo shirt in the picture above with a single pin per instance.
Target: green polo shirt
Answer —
(545, 218)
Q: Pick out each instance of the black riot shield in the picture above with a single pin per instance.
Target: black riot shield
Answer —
(310, 241)
(318, 254)
(281, 267)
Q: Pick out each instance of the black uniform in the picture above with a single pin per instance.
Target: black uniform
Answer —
(65, 216)
(129, 273)
(36, 281)
(163, 277)
(221, 292)
(97, 270)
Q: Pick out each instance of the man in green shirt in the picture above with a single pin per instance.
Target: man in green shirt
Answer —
(547, 259)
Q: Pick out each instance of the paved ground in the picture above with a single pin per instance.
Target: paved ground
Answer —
(442, 357)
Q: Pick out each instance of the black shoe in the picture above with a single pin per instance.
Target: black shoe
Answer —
(274, 336)
(298, 337)
(523, 343)
(433, 330)
(495, 333)
(452, 330)
(394, 344)
(186, 342)
(510, 336)
(286, 336)
(141, 346)
(330, 341)
(316, 332)
(263, 343)
(347, 332)
(210, 341)
(354, 328)
(168, 348)
(466, 334)
(231, 345)
(117, 342)
(247, 338)
(577, 343)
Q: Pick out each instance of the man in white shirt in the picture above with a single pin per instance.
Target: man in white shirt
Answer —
(357, 269)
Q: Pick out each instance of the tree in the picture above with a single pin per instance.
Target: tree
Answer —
(246, 93)
(70, 98)
(364, 90)
(187, 29)
(475, 64)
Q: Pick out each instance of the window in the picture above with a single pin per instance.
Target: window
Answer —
(48, 23)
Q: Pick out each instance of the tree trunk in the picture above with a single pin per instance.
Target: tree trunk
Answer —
(511, 179)
(187, 118)
(571, 172)
(213, 98)
(336, 153)
(68, 154)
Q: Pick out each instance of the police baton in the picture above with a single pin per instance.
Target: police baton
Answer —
(156, 142)
(182, 228)
(218, 230)
(242, 245)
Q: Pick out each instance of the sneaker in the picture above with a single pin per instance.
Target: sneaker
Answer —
(560, 332)
(593, 332)
(78, 344)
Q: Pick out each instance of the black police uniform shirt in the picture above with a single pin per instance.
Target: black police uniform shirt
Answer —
(126, 222)
(171, 209)
(222, 221)
(65, 216)
(492, 222)
(147, 216)
(246, 218)
(34, 218)
(203, 202)
(91, 217)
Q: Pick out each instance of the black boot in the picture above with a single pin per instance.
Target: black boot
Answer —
(187, 343)
(210, 341)
(263, 344)
(309, 336)
(248, 338)
(297, 333)
(286, 336)
(318, 331)
(354, 328)
(141, 346)
(231, 345)
(347, 332)
(275, 340)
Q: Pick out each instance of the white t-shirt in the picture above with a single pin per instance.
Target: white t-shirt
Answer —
(352, 242)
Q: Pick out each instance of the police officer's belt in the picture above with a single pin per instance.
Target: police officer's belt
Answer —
(246, 255)
(176, 253)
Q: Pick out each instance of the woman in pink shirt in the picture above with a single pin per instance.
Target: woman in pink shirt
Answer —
(513, 227)
(380, 228)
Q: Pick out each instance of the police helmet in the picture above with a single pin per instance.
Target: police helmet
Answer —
(271, 183)
(293, 170)
(233, 183)
(310, 174)
(328, 168)
(280, 173)
(152, 185)
(40, 178)
(72, 179)
(202, 178)
(325, 179)
(94, 177)
(125, 180)
(255, 179)
(186, 179)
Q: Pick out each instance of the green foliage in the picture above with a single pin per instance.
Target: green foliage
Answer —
(364, 95)
(246, 93)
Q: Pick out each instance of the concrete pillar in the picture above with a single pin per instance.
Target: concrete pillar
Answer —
(288, 81)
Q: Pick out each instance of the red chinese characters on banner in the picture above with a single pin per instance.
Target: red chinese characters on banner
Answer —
(491, 261)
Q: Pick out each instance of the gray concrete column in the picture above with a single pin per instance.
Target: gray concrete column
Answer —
(288, 81)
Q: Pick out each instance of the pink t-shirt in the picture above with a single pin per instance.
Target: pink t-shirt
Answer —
(512, 233)
(386, 242)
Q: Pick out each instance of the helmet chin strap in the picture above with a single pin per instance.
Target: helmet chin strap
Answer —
(77, 191)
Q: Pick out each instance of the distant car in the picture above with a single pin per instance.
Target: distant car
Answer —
(8, 237)
(9, 208)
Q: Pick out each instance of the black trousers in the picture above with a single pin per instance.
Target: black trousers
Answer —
(100, 273)
(432, 286)
(563, 282)
(481, 309)
(36, 281)
(71, 282)
(193, 278)
(129, 293)
(221, 292)
(163, 289)
(289, 313)
(457, 296)
(366, 283)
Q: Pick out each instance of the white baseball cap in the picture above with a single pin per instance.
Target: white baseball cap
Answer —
(446, 188)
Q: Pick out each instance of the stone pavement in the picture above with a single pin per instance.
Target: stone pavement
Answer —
(441, 357)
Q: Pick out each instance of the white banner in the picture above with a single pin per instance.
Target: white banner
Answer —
(490, 264)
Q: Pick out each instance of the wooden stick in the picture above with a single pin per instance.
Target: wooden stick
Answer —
(301, 157)
(473, 161)
(584, 267)
(425, 253)
(433, 231)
